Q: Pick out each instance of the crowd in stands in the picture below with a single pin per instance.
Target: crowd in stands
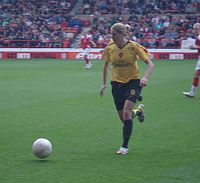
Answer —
(36, 23)
(152, 31)
(140, 6)
(50, 23)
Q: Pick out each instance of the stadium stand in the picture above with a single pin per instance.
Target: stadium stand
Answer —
(56, 23)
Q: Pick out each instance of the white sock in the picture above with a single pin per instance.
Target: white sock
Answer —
(193, 89)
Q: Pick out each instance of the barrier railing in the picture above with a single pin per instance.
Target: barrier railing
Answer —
(35, 43)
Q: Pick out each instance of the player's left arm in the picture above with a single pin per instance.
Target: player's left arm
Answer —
(147, 73)
(143, 54)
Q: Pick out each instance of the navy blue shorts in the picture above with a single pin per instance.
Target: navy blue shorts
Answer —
(125, 91)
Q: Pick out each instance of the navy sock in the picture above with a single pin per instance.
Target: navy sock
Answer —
(127, 130)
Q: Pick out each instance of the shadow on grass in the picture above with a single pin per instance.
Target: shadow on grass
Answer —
(40, 161)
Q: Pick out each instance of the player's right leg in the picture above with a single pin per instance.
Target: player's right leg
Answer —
(88, 64)
(195, 82)
(189, 94)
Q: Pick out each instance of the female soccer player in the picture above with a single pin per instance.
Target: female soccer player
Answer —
(126, 85)
(86, 44)
(196, 31)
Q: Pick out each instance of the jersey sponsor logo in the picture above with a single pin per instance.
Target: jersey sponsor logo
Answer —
(122, 65)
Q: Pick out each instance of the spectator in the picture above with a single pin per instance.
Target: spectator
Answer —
(37, 21)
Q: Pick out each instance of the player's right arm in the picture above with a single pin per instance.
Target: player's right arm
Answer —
(194, 47)
(197, 44)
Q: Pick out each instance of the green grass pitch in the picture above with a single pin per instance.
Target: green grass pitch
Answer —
(59, 100)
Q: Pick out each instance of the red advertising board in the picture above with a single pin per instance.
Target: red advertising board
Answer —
(37, 53)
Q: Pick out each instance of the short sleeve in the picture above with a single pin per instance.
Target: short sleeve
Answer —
(106, 55)
(142, 52)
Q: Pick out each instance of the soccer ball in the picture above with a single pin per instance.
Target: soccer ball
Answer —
(42, 148)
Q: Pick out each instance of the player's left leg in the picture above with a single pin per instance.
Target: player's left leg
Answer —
(127, 127)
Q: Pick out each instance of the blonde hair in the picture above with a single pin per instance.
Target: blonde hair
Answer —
(196, 26)
(121, 28)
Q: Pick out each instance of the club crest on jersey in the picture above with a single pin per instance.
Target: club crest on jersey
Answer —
(120, 54)
(132, 92)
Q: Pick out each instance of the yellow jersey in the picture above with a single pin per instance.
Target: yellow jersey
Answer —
(124, 60)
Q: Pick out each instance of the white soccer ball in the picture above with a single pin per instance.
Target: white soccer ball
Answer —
(42, 148)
